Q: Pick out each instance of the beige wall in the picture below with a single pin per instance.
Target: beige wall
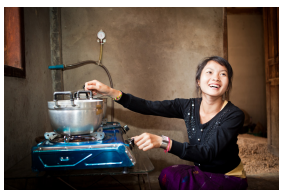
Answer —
(151, 53)
(25, 100)
(246, 56)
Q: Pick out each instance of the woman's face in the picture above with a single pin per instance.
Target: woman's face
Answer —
(214, 79)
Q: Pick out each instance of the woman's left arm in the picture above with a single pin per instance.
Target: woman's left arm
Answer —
(222, 136)
(147, 141)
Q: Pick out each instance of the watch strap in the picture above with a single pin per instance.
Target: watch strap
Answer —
(165, 141)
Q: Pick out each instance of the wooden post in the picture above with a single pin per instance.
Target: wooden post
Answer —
(271, 40)
(56, 48)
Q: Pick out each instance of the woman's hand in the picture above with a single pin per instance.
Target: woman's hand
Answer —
(98, 87)
(147, 141)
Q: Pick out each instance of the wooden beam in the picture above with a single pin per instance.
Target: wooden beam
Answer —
(225, 35)
(244, 10)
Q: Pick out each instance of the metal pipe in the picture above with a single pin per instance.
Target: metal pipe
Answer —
(101, 51)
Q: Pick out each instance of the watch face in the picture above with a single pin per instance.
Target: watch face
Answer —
(165, 139)
(101, 34)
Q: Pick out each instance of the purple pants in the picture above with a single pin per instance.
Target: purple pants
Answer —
(185, 177)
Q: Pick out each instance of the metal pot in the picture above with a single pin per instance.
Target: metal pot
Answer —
(100, 97)
(75, 116)
(104, 105)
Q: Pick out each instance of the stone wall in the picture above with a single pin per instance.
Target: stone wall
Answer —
(25, 100)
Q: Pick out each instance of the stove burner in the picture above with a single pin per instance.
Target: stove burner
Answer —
(77, 138)
(74, 139)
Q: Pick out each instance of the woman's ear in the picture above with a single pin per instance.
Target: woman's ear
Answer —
(198, 81)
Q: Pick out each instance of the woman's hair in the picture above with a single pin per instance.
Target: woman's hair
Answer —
(222, 62)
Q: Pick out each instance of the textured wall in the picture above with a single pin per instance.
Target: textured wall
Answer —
(246, 55)
(25, 100)
(151, 53)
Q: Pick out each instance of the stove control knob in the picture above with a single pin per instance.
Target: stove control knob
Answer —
(126, 128)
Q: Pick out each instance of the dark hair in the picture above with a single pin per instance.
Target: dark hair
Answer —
(222, 62)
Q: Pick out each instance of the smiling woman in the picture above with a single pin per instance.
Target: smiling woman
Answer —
(214, 80)
(224, 69)
(212, 122)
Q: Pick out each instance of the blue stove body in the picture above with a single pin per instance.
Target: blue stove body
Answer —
(110, 152)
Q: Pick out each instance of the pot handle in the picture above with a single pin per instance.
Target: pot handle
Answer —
(75, 95)
(82, 91)
(56, 93)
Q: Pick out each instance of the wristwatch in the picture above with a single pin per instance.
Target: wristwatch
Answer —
(165, 141)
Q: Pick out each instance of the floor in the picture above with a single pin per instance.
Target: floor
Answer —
(117, 182)
(269, 181)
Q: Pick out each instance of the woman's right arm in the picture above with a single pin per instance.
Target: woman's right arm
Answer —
(166, 108)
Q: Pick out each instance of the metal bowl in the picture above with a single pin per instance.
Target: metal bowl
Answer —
(75, 117)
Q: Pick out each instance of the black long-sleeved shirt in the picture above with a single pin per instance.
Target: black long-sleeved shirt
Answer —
(212, 146)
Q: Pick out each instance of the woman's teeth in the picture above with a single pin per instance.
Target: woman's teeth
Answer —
(214, 86)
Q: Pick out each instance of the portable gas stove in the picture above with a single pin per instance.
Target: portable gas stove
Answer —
(82, 137)
(105, 148)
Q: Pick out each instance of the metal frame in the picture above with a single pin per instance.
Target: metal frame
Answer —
(68, 184)
(10, 70)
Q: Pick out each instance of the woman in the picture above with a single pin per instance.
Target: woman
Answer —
(212, 124)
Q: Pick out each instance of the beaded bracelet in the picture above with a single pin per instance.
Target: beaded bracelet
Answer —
(167, 149)
(118, 97)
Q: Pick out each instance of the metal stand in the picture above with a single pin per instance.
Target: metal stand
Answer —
(66, 183)
(125, 170)
(144, 183)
